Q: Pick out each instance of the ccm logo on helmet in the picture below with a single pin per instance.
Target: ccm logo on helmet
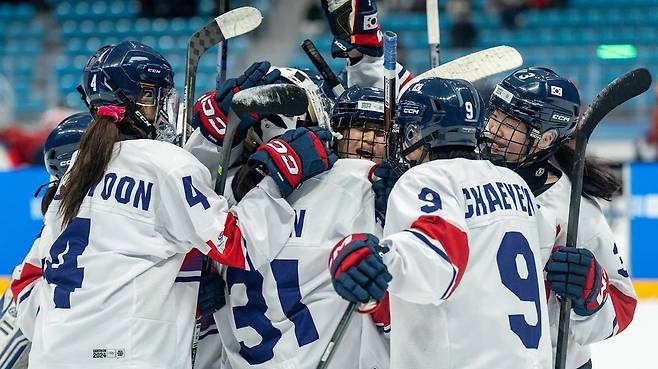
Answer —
(560, 118)
(151, 70)
(287, 159)
(411, 111)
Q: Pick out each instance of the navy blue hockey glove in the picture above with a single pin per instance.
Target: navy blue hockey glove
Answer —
(211, 110)
(384, 176)
(358, 272)
(354, 26)
(211, 294)
(294, 157)
(574, 273)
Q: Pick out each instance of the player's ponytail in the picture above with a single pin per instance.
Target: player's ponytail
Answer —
(94, 154)
(597, 180)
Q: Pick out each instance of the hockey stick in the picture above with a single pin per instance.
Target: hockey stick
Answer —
(476, 66)
(322, 67)
(286, 99)
(224, 6)
(433, 32)
(390, 92)
(614, 94)
(231, 24)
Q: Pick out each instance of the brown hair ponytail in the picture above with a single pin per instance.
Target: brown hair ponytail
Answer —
(597, 180)
(94, 154)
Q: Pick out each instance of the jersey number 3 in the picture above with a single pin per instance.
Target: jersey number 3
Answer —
(522, 281)
(62, 269)
(252, 314)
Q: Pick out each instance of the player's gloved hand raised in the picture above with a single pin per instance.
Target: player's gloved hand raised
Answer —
(294, 157)
(211, 110)
(354, 26)
(358, 272)
(211, 294)
(574, 273)
(384, 176)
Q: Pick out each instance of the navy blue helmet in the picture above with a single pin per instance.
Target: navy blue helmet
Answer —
(63, 141)
(361, 108)
(437, 113)
(137, 77)
(544, 102)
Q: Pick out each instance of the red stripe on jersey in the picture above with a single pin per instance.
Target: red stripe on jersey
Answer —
(453, 240)
(547, 286)
(624, 307)
(29, 274)
(231, 238)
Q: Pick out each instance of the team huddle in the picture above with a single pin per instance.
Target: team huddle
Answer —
(450, 239)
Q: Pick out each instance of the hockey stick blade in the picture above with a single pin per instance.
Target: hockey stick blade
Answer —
(614, 94)
(285, 99)
(476, 66)
(322, 67)
(228, 25)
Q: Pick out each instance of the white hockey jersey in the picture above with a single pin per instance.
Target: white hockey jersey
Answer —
(108, 298)
(283, 314)
(467, 289)
(595, 234)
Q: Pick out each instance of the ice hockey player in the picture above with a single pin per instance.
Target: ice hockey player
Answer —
(136, 206)
(459, 233)
(533, 114)
(291, 310)
(58, 149)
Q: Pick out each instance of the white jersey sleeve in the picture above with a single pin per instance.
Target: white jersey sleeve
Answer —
(427, 236)
(369, 71)
(194, 216)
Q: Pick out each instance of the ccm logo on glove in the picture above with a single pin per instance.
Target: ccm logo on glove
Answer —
(284, 157)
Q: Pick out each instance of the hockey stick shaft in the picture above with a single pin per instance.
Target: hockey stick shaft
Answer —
(616, 93)
(337, 336)
(433, 32)
(228, 25)
(390, 92)
(224, 6)
(321, 65)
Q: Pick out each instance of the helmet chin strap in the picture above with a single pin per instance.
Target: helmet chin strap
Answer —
(132, 110)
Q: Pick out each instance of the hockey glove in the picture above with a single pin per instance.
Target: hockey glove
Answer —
(211, 294)
(574, 273)
(211, 110)
(358, 272)
(354, 26)
(384, 176)
(294, 157)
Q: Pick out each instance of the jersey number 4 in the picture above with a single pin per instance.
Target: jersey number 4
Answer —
(62, 269)
(520, 277)
(253, 315)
